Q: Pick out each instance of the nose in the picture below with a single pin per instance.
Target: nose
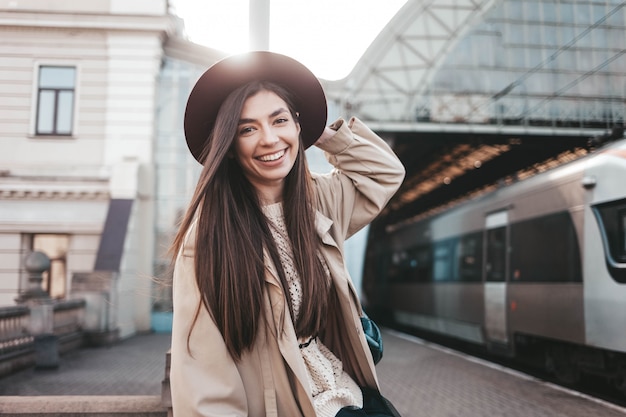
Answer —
(269, 136)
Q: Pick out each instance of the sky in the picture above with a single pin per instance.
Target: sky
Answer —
(328, 36)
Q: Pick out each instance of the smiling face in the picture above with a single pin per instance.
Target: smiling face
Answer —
(266, 144)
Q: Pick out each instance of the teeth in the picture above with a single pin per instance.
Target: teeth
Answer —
(272, 157)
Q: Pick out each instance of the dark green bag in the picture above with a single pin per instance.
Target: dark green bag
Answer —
(373, 337)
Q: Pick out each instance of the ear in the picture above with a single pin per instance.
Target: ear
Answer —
(298, 122)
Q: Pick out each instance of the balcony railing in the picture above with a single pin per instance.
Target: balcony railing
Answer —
(17, 341)
(14, 333)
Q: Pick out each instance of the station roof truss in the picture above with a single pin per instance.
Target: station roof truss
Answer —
(475, 94)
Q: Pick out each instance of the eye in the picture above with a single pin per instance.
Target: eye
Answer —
(281, 120)
(246, 130)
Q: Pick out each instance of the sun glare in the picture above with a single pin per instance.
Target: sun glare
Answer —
(328, 36)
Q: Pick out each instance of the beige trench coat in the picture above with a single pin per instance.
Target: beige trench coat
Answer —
(271, 379)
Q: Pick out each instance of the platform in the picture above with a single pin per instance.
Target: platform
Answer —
(422, 379)
(134, 366)
(426, 380)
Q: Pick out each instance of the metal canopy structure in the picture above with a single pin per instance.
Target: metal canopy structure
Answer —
(398, 66)
(474, 93)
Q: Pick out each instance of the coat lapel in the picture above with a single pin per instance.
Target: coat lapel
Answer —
(283, 326)
(344, 286)
(322, 227)
(350, 306)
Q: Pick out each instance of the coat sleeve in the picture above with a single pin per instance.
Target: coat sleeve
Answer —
(367, 174)
(204, 379)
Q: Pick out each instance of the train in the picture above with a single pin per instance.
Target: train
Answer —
(535, 267)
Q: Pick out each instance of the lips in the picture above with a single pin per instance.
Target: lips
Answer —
(272, 157)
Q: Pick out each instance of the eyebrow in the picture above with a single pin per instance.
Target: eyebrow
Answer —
(273, 114)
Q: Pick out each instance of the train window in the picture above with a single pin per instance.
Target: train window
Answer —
(496, 255)
(413, 265)
(399, 266)
(545, 249)
(423, 263)
(470, 258)
(443, 256)
(622, 218)
(612, 220)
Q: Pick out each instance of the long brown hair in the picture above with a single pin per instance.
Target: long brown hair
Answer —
(232, 232)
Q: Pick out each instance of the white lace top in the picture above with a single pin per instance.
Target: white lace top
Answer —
(332, 388)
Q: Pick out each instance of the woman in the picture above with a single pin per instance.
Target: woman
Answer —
(266, 320)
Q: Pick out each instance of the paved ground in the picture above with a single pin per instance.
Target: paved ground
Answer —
(421, 379)
(424, 380)
(135, 366)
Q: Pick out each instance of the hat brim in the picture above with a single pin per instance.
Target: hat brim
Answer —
(227, 75)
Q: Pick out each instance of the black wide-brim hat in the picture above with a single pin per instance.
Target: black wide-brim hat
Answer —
(227, 75)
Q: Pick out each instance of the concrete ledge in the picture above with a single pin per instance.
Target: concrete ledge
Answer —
(82, 405)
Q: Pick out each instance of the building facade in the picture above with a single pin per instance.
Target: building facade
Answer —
(91, 115)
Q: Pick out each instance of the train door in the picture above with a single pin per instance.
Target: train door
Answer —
(496, 243)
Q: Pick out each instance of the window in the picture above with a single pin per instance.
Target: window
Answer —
(622, 219)
(399, 266)
(549, 12)
(55, 246)
(612, 221)
(496, 255)
(411, 265)
(545, 249)
(55, 100)
(470, 258)
(443, 255)
(422, 263)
